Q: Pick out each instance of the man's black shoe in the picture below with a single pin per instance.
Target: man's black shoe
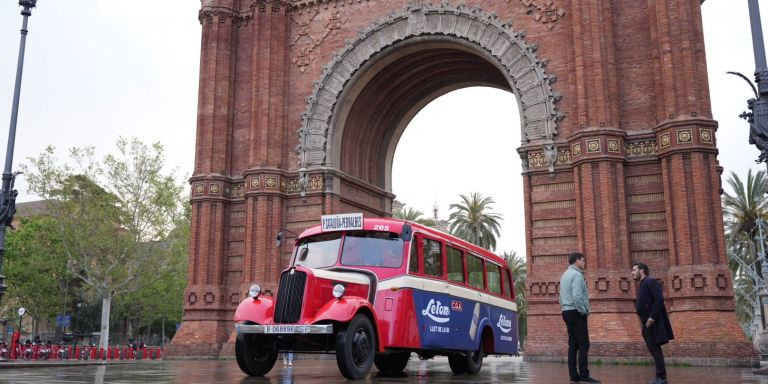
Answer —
(588, 379)
(658, 380)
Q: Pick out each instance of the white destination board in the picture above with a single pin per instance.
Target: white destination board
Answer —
(342, 222)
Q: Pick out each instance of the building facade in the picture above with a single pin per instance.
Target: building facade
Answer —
(302, 104)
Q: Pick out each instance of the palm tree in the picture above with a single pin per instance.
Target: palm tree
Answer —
(741, 211)
(474, 221)
(518, 268)
(415, 215)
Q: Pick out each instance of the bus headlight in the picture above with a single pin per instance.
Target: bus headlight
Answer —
(338, 291)
(254, 291)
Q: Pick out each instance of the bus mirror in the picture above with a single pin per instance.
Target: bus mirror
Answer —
(407, 232)
(303, 254)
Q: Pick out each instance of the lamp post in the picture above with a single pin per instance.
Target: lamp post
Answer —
(758, 136)
(8, 194)
(78, 304)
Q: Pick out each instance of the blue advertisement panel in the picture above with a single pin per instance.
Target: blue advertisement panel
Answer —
(452, 322)
(504, 323)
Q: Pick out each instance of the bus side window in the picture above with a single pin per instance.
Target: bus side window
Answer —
(433, 257)
(507, 283)
(494, 278)
(455, 264)
(475, 271)
(413, 263)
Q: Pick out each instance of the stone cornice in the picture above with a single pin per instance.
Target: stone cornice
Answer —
(226, 15)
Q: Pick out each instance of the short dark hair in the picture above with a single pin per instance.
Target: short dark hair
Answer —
(644, 267)
(574, 256)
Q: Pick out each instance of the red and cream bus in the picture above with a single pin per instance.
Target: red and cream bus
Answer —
(373, 291)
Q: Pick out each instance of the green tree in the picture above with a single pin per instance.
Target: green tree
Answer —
(36, 268)
(518, 268)
(159, 301)
(473, 220)
(742, 210)
(114, 216)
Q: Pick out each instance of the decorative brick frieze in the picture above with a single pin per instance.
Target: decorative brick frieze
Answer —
(691, 135)
(646, 148)
(537, 160)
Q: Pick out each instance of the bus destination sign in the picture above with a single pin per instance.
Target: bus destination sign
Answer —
(342, 222)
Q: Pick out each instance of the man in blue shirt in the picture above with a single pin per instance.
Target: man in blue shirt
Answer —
(574, 301)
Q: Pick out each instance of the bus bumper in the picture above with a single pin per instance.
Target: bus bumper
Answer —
(290, 329)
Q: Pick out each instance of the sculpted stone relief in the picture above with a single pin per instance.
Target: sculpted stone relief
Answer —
(543, 11)
(310, 34)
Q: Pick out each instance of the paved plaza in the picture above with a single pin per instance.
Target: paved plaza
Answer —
(495, 370)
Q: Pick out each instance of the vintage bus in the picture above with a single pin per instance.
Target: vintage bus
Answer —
(374, 290)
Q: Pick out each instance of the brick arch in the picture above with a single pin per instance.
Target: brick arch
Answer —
(503, 47)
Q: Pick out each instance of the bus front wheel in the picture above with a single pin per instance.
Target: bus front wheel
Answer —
(256, 354)
(356, 348)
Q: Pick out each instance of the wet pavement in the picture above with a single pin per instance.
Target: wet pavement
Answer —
(495, 370)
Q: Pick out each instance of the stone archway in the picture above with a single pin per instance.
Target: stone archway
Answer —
(619, 154)
(438, 27)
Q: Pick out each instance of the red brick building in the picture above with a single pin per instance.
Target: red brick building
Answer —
(302, 103)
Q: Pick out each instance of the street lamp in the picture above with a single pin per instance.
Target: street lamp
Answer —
(758, 136)
(8, 194)
(78, 304)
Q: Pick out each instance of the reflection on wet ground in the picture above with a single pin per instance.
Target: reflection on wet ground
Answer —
(495, 370)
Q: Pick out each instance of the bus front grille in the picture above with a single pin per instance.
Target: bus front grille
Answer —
(290, 296)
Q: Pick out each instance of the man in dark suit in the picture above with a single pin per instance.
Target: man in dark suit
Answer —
(656, 328)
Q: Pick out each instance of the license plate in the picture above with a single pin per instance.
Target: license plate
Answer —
(284, 328)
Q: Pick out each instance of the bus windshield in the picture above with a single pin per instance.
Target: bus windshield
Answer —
(318, 251)
(375, 249)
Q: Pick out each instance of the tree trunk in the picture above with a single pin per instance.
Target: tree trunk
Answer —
(106, 303)
(162, 333)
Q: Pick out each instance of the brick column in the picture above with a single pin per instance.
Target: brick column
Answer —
(206, 316)
(697, 282)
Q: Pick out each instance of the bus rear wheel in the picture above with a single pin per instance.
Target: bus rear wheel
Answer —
(392, 363)
(256, 354)
(356, 348)
(467, 362)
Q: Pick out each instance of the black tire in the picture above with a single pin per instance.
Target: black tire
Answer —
(256, 354)
(456, 362)
(467, 362)
(474, 360)
(356, 348)
(392, 363)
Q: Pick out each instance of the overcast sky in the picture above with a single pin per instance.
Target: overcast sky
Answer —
(96, 70)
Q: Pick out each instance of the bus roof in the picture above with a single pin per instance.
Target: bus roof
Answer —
(396, 226)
